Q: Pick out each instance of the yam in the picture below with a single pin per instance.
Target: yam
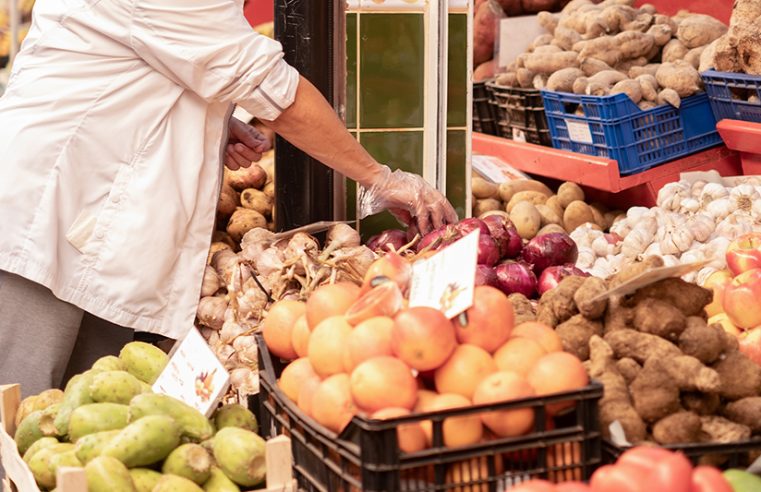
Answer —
(678, 428)
(548, 21)
(701, 403)
(589, 289)
(746, 411)
(525, 78)
(674, 50)
(547, 63)
(508, 79)
(648, 87)
(510, 188)
(740, 377)
(699, 30)
(629, 87)
(629, 369)
(679, 76)
(592, 66)
(577, 213)
(646, 105)
(540, 81)
(484, 31)
(483, 189)
(701, 341)
(580, 85)
(661, 19)
(707, 57)
(256, 200)
(541, 40)
(689, 298)
(650, 69)
(654, 394)
(634, 44)
(602, 82)
(575, 334)
(726, 58)
(669, 96)
(640, 346)
(563, 80)
(627, 65)
(661, 34)
(749, 51)
(569, 192)
(242, 221)
(693, 56)
(550, 48)
(641, 23)
(526, 219)
(565, 38)
(721, 430)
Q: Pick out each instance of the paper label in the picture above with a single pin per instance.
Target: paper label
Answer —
(514, 37)
(495, 169)
(446, 280)
(579, 132)
(650, 277)
(15, 468)
(194, 375)
(519, 135)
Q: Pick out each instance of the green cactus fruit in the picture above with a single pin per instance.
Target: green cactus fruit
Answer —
(106, 474)
(193, 423)
(41, 464)
(34, 427)
(191, 461)
(218, 482)
(39, 445)
(145, 387)
(108, 363)
(241, 455)
(145, 441)
(90, 446)
(115, 387)
(174, 483)
(68, 458)
(236, 415)
(143, 360)
(38, 402)
(76, 394)
(144, 479)
(97, 417)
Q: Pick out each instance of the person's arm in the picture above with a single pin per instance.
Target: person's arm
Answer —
(311, 124)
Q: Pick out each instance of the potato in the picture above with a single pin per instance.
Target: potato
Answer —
(482, 189)
(599, 218)
(554, 203)
(550, 229)
(486, 205)
(548, 215)
(256, 200)
(246, 177)
(569, 192)
(577, 213)
(533, 197)
(526, 219)
(222, 237)
(227, 204)
(242, 221)
(269, 190)
(510, 188)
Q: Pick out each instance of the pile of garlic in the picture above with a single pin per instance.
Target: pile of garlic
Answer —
(694, 221)
(238, 288)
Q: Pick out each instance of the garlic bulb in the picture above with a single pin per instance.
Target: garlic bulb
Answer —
(719, 209)
(211, 283)
(670, 196)
(586, 258)
(743, 196)
(712, 192)
(602, 247)
(670, 260)
(734, 225)
(245, 346)
(639, 238)
(211, 312)
(697, 188)
(690, 205)
(230, 331)
(676, 241)
(245, 381)
(692, 256)
(701, 226)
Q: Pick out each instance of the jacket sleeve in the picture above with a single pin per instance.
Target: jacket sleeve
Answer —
(208, 47)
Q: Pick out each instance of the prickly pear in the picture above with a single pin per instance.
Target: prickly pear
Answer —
(40, 464)
(190, 461)
(145, 441)
(108, 363)
(106, 474)
(235, 415)
(34, 427)
(143, 360)
(193, 423)
(90, 446)
(218, 482)
(115, 387)
(97, 417)
(38, 445)
(240, 454)
(144, 479)
(38, 402)
(76, 394)
(173, 483)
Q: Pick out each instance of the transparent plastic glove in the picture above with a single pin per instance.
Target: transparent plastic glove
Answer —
(408, 197)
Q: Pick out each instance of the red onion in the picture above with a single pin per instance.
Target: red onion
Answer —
(386, 240)
(412, 231)
(548, 250)
(515, 276)
(485, 276)
(464, 227)
(551, 277)
(505, 234)
(443, 236)
(488, 252)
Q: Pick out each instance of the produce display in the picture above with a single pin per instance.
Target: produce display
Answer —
(361, 351)
(739, 50)
(612, 47)
(646, 469)
(129, 439)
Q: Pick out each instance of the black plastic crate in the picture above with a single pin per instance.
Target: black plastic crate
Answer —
(483, 113)
(365, 456)
(722, 455)
(730, 93)
(520, 114)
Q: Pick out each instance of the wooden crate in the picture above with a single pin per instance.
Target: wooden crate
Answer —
(20, 479)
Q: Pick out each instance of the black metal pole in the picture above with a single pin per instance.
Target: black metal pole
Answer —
(311, 32)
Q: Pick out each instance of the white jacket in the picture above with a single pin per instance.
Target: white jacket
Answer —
(111, 132)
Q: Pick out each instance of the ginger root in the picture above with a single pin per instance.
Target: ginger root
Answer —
(689, 298)
(719, 429)
(701, 341)
(740, 377)
(659, 318)
(678, 428)
(575, 334)
(654, 392)
(589, 289)
(746, 411)
(640, 346)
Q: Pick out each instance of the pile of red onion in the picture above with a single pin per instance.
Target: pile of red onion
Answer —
(503, 259)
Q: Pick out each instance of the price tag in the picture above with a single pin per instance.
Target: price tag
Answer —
(650, 277)
(515, 36)
(194, 375)
(495, 169)
(579, 132)
(519, 135)
(446, 280)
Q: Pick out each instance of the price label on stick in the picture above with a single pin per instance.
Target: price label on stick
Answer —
(446, 280)
(194, 375)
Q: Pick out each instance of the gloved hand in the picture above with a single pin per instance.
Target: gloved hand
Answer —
(245, 144)
(408, 197)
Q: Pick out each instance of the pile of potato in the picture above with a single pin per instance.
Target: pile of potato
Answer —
(535, 210)
(613, 47)
(247, 201)
(669, 376)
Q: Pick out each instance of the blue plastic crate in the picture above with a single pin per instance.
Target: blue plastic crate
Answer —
(615, 127)
(729, 94)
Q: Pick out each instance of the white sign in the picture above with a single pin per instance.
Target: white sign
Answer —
(446, 280)
(495, 169)
(515, 36)
(579, 132)
(194, 375)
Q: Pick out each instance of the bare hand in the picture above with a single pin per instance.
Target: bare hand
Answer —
(245, 144)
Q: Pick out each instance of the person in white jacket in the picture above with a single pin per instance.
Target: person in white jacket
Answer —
(113, 128)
